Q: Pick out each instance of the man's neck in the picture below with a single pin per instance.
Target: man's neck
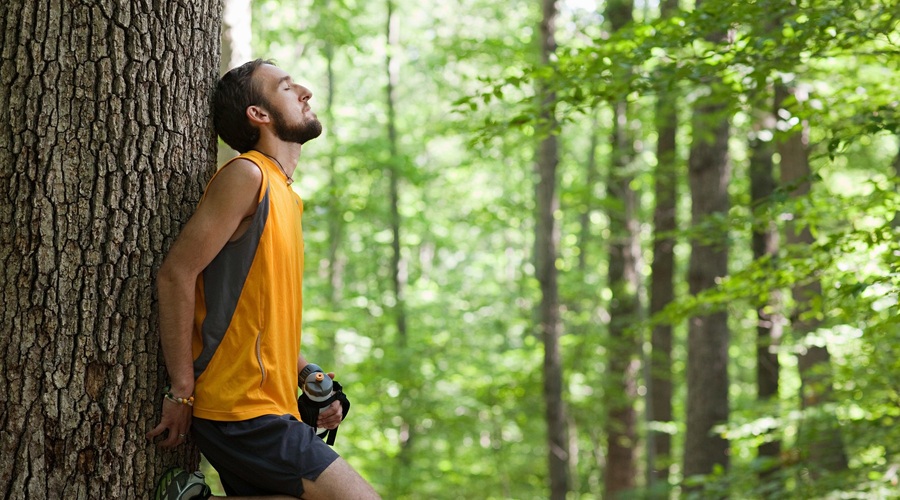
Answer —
(285, 154)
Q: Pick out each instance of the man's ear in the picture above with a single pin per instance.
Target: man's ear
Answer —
(257, 114)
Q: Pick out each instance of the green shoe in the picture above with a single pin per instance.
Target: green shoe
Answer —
(179, 484)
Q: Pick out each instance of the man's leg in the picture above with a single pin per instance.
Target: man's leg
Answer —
(285, 456)
(253, 498)
(339, 482)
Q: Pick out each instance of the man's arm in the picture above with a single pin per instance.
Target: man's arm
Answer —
(230, 199)
(301, 363)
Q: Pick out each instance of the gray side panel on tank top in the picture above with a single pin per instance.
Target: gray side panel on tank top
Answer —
(223, 282)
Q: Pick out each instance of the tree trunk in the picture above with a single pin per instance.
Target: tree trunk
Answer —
(765, 246)
(591, 179)
(819, 438)
(897, 160)
(105, 146)
(708, 334)
(622, 360)
(624, 280)
(546, 247)
(336, 260)
(662, 272)
(392, 69)
(896, 221)
(398, 266)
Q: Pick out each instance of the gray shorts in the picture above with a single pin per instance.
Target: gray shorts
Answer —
(266, 455)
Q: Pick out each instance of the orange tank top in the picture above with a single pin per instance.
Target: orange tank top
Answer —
(248, 311)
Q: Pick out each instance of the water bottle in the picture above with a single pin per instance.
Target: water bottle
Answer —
(319, 388)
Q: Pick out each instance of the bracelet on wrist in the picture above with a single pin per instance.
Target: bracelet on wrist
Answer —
(167, 394)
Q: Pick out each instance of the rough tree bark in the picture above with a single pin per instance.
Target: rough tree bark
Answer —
(546, 249)
(105, 144)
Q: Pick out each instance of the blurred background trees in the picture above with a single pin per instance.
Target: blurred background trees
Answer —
(651, 241)
(703, 177)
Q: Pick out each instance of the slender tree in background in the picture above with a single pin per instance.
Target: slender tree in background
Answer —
(392, 71)
(708, 334)
(620, 391)
(769, 323)
(324, 35)
(587, 425)
(896, 221)
(592, 177)
(105, 145)
(707, 368)
(897, 159)
(819, 439)
(546, 249)
(335, 260)
(662, 270)
(398, 266)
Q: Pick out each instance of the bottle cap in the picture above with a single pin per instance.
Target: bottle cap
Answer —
(318, 387)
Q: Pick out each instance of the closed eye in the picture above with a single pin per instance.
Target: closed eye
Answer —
(286, 81)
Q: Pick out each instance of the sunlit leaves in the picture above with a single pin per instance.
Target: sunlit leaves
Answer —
(764, 39)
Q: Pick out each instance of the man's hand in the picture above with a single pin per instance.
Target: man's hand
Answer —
(176, 419)
(332, 416)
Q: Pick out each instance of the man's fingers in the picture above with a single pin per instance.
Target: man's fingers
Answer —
(173, 439)
(334, 410)
(331, 418)
(156, 431)
(169, 441)
(176, 419)
(329, 423)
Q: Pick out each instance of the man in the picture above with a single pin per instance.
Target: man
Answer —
(230, 309)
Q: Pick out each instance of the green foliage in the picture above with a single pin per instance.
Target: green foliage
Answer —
(767, 40)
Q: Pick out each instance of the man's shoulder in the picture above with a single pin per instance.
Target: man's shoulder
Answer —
(241, 163)
(239, 172)
(238, 182)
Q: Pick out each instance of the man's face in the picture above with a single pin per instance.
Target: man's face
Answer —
(288, 104)
(297, 131)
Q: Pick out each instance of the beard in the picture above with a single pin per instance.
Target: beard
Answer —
(299, 133)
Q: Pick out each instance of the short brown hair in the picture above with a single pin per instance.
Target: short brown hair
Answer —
(235, 92)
